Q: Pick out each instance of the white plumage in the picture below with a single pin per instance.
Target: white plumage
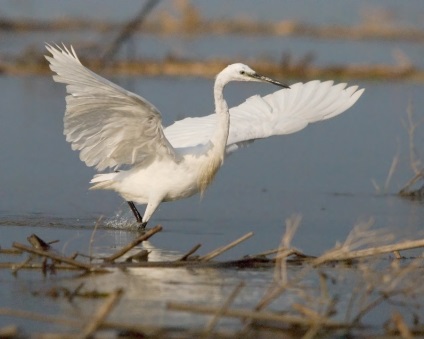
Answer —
(282, 112)
(112, 127)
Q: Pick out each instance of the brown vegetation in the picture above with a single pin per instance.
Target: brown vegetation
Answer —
(316, 310)
(186, 20)
(209, 68)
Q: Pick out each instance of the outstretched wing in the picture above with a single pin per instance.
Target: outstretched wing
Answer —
(107, 124)
(282, 112)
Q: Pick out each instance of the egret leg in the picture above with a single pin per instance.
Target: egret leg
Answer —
(136, 214)
(151, 207)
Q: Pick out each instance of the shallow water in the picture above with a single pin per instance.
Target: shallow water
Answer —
(323, 173)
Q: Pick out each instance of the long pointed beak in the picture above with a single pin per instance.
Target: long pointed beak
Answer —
(266, 79)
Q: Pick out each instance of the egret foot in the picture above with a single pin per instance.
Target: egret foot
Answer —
(136, 213)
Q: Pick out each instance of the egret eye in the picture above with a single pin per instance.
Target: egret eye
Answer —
(242, 72)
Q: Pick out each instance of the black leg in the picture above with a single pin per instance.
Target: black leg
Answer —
(136, 214)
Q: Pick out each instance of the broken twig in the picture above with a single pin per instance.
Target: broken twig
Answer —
(38, 243)
(102, 313)
(220, 311)
(341, 255)
(134, 243)
(58, 257)
(222, 249)
(185, 256)
(248, 314)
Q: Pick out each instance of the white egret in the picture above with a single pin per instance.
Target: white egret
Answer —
(112, 127)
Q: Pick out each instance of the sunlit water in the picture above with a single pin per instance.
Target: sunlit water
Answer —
(323, 173)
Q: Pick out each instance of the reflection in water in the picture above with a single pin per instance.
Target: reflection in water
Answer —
(148, 290)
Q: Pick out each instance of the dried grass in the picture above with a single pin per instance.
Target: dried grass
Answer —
(314, 310)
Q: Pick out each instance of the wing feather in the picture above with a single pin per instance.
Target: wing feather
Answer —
(282, 112)
(107, 124)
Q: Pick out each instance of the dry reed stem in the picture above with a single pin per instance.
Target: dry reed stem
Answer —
(358, 237)
(10, 331)
(306, 311)
(323, 286)
(190, 252)
(129, 29)
(290, 252)
(397, 281)
(411, 127)
(39, 243)
(415, 162)
(273, 292)
(401, 326)
(362, 235)
(312, 331)
(57, 257)
(190, 263)
(392, 170)
(101, 314)
(220, 311)
(312, 319)
(315, 318)
(299, 254)
(283, 254)
(405, 189)
(222, 249)
(90, 246)
(398, 278)
(255, 315)
(281, 284)
(264, 254)
(36, 266)
(134, 243)
(292, 224)
(16, 267)
(63, 321)
(10, 251)
(372, 305)
(58, 335)
(76, 323)
(340, 255)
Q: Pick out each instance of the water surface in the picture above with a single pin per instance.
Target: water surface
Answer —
(323, 173)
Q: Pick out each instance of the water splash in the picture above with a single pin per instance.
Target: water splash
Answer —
(121, 223)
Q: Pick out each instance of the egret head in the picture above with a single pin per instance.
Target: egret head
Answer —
(241, 72)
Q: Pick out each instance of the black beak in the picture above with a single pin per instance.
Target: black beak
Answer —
(266, 79)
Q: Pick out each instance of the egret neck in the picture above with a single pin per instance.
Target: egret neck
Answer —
(215, 153)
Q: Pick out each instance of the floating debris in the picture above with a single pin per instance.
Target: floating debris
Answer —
(314, 312)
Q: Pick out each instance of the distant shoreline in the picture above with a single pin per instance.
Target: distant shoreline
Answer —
(35, 64)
